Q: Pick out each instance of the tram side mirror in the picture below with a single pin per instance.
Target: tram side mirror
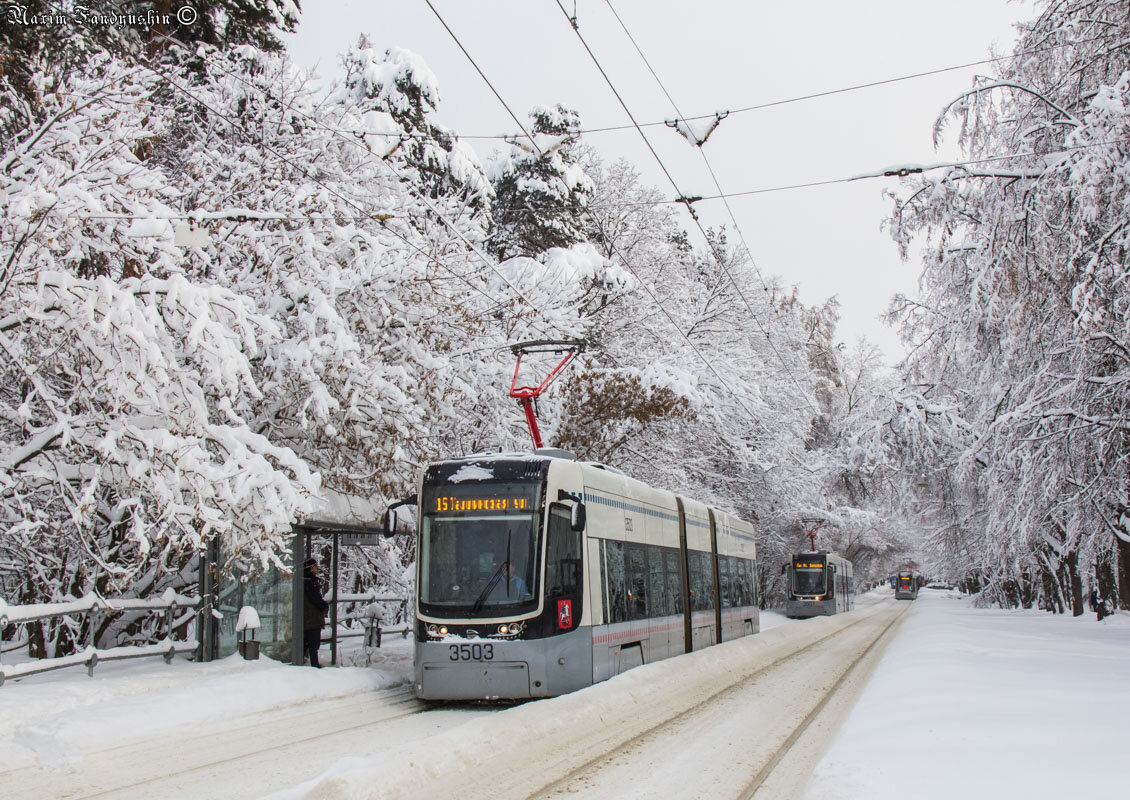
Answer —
(389, 520)
(578, 517)
(784, 568)
(577, 514)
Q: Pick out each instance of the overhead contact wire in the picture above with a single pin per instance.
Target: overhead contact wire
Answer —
(678, 191)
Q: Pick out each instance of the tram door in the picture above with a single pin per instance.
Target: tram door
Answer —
(563, 570)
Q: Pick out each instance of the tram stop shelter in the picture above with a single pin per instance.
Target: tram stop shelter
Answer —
(277, 594)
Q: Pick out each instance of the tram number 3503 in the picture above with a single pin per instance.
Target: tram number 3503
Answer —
(471, 652)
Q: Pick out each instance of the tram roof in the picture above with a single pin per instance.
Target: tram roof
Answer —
(829, 553)
(543, 454)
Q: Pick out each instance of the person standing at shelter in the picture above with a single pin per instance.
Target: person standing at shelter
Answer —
(313, 611)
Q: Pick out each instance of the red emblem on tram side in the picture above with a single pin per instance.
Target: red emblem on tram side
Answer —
(564, 614)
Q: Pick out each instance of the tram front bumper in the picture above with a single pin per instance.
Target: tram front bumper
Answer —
(473, 680)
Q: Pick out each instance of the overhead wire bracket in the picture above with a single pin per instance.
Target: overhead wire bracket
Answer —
(696, 134)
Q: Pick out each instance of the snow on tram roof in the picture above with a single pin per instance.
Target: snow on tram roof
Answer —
(539, 455)
(475, 460)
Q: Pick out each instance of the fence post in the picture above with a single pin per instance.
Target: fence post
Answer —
(94, 617)
(206, 627)
(169, 614)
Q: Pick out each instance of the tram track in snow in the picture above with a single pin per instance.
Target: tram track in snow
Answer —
(747, 728)
(762, 786)
(255, 747)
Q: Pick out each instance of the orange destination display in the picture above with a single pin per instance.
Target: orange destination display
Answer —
(482, 497)
(450, 503)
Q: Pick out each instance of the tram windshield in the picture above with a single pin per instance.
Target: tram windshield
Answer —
(479, 550)
(808, 576)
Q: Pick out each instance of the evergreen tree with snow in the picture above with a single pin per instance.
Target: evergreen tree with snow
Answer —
(389, 99)
(541, 190)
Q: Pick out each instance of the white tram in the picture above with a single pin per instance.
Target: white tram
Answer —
(906, 585)
(819, 584)
(538, 574)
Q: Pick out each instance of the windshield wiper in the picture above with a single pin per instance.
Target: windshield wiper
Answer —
(507, 564)
(494, 580)
(486, 589)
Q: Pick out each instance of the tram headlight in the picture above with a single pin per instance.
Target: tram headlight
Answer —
(442, 630)
(508, 630)
(436, 630)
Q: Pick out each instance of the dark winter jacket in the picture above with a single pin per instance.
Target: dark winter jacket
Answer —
(313, 604)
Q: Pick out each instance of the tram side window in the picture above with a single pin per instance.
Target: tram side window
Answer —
(694, 572)
(702, 581)
(747, 581)
(657, 594)
(708, 596)
(604, 578)
(617, 592)
(724, 581)
(637, 582)
(735, 565)
(674, 583)
(563, 555)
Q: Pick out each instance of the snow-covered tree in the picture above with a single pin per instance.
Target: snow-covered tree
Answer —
(398, 86)
(127, 385)
(1020, 338)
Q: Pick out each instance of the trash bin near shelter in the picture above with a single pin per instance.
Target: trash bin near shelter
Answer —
(248, 621)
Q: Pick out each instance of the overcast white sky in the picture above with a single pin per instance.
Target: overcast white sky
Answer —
(715, 55)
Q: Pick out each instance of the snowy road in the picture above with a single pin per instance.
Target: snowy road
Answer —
(748, 727)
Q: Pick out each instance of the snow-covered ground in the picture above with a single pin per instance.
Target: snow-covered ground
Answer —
(964, 703)
(56, 718)
(985, 703)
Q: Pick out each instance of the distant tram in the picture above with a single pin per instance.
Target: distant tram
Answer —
(539, 574)
(819, 584)
(906, 585)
